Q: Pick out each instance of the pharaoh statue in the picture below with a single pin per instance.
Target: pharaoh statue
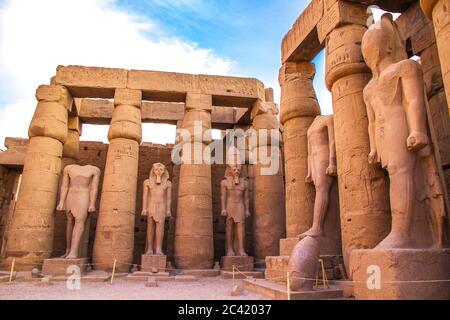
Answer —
(78, 194)
(156, 206)
(402, 141)
(321, 171)
(235, 201)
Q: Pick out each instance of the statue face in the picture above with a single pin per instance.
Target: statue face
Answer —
(236, 172)
(158, 170)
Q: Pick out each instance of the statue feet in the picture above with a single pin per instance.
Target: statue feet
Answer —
(395, 240)
(159, 253)
(72, 256)
(313, 232)
(149, 253)
(230, 253)
(243, 254)
(64, 256)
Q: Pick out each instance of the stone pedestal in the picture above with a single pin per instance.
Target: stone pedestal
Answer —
(241, 263)
(152, 262)
(402, 274)
(63, 267)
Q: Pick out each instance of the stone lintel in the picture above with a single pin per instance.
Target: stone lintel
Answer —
(302, 42)
(94, 82)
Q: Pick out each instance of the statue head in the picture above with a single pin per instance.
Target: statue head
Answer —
(381, 41)
(159, 173)
(234, 172)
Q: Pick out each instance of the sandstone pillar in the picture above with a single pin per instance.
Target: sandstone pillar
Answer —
(114, 238)
(299, 107)
(439, 12)
(269, 206)
(30, 235)
(363, 192)
(194, 244)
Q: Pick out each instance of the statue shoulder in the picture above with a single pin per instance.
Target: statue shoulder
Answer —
(168, 184)
(224, 183)
(409, 68)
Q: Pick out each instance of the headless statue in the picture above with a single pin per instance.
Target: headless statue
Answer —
(401, 136)
(156, 206)
(321, 169)
(235, 201)
(79, 190)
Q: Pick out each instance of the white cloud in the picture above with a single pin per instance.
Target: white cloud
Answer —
(37, 36)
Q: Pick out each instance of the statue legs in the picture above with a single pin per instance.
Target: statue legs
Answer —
(155, 233)
(69, 231)
(402, 196)
(230, 237)
(240, 234)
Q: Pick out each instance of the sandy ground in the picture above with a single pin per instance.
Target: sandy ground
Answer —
(203, 289)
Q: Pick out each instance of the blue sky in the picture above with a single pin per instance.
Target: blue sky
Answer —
(230, 37)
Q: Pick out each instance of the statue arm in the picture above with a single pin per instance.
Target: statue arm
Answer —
(414, 104)
(332, 145)
(309, 175)
(145, 199)
(169, 199)
(94, 190)
(64, 189)
(223, 197)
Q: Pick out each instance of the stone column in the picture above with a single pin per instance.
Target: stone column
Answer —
(363, 190)
(30, 235)
(194, 244)
(439, 12)
(114, 237)
(71, 154)
(299, 107)
(269, 200)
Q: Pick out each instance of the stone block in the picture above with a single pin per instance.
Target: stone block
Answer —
(153, 262)
(198, 101)
(340, 13)
(128, 97)
(59, 267)
(279, 292)
(401, 274)
(185, 278)
(287, 245)
(57, 94)
(240, 263)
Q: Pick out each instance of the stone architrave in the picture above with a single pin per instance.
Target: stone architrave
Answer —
(78, 195)
(114, 237)
(29, 239)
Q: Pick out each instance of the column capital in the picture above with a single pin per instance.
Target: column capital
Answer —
(54, 93)
(198, 101)
(428, 6)
(128, 97)
(291, 71)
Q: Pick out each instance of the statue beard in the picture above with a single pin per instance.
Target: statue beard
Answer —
(158, 179)
(236, 180)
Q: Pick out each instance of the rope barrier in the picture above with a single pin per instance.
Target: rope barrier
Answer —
(12, 271)
(113, 271)
(289, 285)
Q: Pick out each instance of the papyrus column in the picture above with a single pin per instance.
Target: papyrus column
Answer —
(439, 12)
(114, 237)
(363, 190)
(194, 244)
(269, 201)
(30, 235)
(299, 107)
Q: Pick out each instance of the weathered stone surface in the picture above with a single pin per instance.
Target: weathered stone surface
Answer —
(279, 292)
(91, 82)
(432, 72)
(339, 14)
(57, 267)
(302, 42)
(387, 5)
(404, 274)
(151, 262)
(241, 263)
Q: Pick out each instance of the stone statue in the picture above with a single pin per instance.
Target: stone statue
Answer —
(401, 140)
(321, 169)
(156, 206)
(79, 190)
(235, 201)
